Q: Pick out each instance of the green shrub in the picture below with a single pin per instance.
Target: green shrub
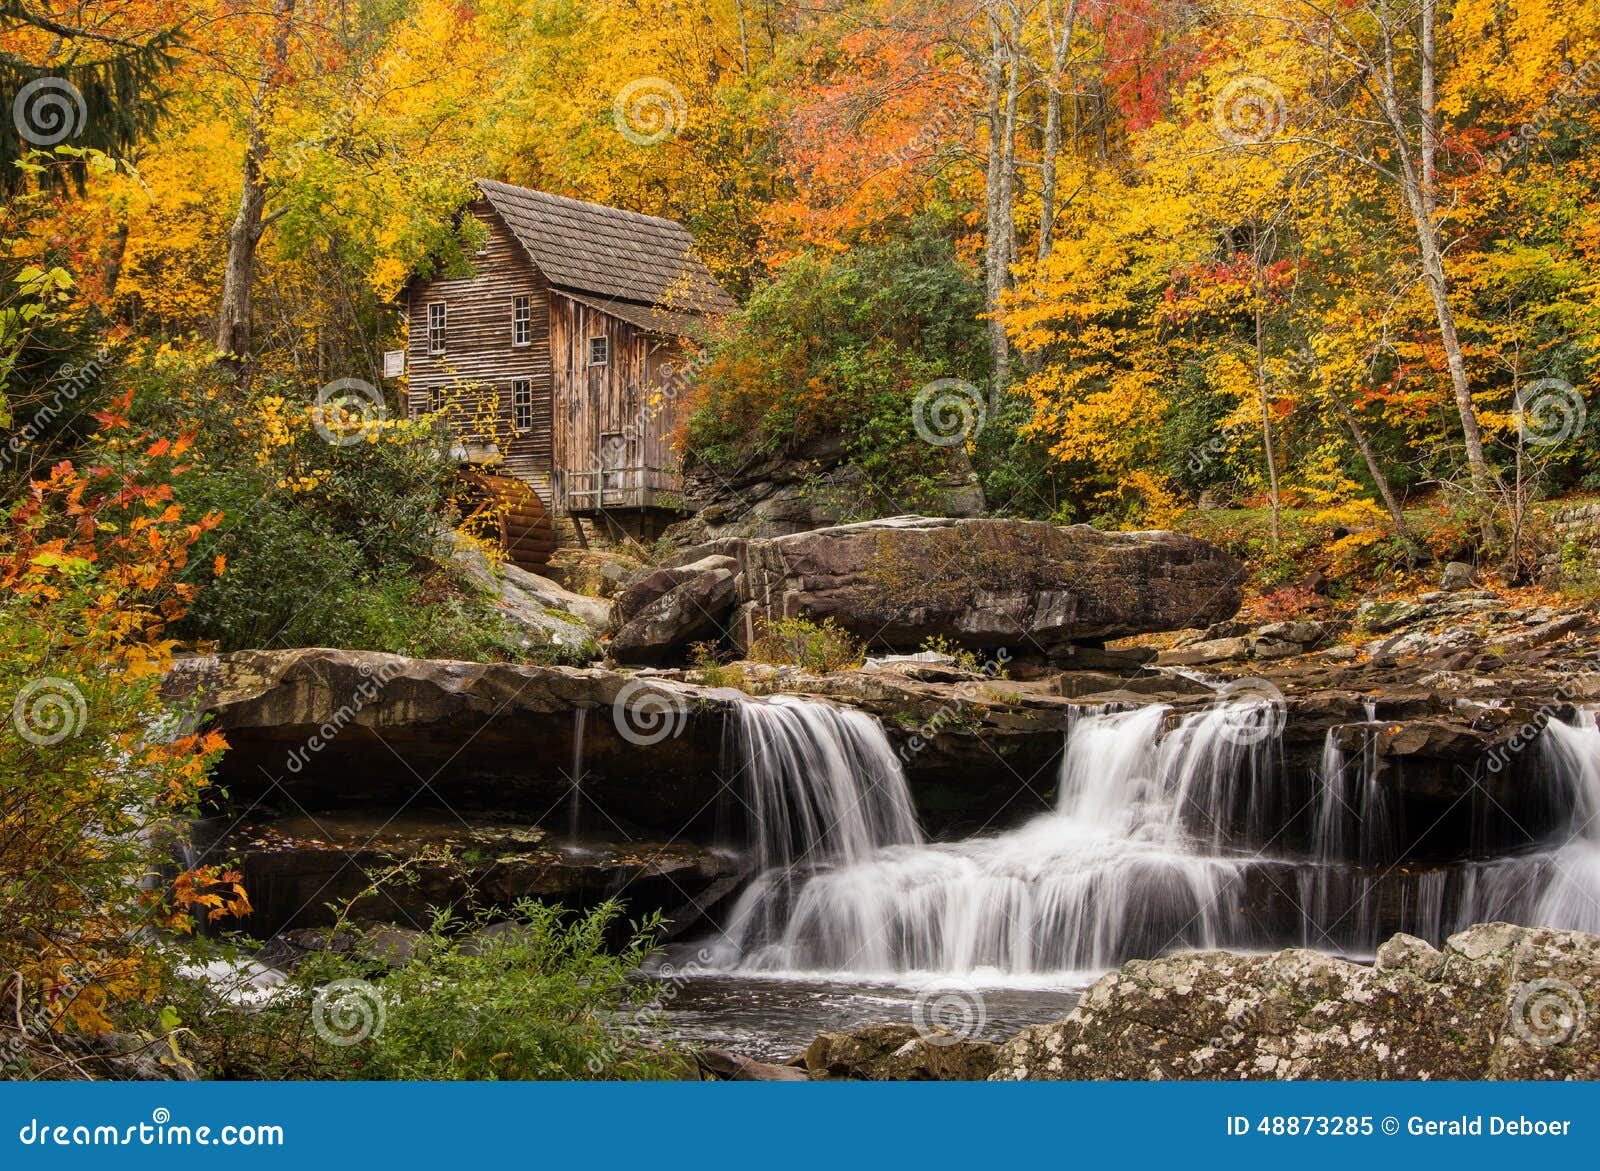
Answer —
(816, 647)
(320, 544)
(838, 345)
(543, 998)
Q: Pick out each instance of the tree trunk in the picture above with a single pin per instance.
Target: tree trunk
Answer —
(1427, 100)
(1374, 469)
(1415, 183)
(1266, 407)
(993, 250)
(238, 274)
(1060, 53)
(999, 187)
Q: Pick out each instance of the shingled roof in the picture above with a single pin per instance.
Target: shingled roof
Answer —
(607, 254)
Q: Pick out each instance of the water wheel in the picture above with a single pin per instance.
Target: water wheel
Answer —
(503, 509)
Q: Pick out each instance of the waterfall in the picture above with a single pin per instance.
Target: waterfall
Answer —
(821, 788)
(1143, 854)
(822, 783)
(1113, 873)
(580, 718)
(1571, 897)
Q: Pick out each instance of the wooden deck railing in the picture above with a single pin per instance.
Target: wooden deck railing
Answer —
(598, 489)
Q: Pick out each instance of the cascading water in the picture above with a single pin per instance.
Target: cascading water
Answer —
(1139, 857)
(823, 789)
(1571, 896)
(1115, 872)
(580, 719)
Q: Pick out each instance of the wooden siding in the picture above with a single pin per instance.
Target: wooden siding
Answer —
(612, 423)
(479, 349)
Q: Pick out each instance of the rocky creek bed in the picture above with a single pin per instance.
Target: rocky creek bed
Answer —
(1420, 767)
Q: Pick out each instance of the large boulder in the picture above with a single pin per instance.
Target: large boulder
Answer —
(672, 607)
(1498, 1002)
(546, 612)
(1040, 590)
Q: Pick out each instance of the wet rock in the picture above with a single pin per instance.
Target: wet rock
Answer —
(720, 1065)
(1381, 617)
(897, 1053)
(298, 868)
(1546, 632)
(653, 584)
(1093, 658)
(1302, 633)
(1266, 648)
(1148, 686)
(1422, 643)
(395, 946)
(1498, 1002)
(1276, 640)
(344, 729)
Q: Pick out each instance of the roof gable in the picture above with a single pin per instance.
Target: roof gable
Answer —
(608, 253)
